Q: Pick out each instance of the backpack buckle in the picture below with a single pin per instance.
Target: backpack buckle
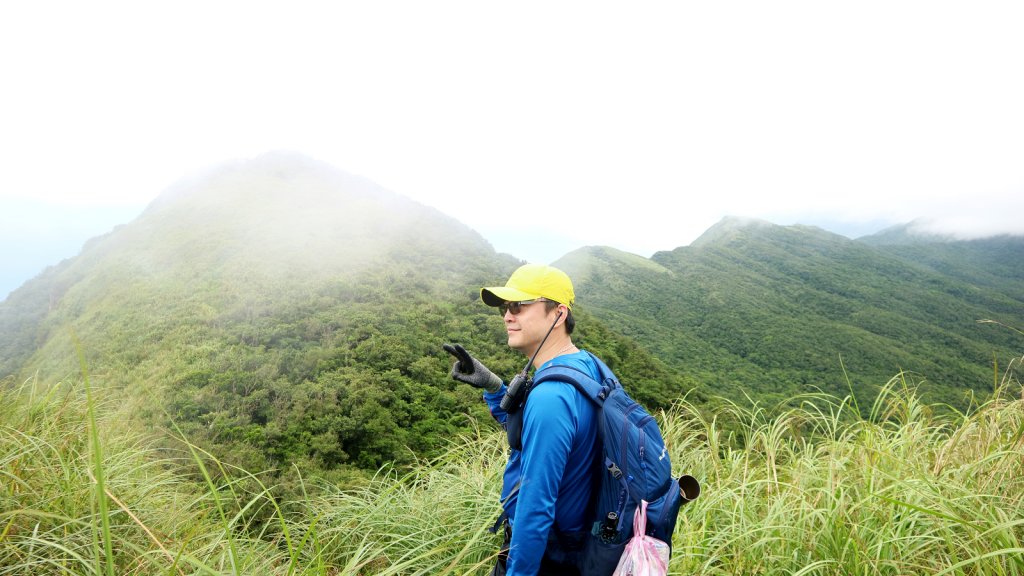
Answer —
(615, 470)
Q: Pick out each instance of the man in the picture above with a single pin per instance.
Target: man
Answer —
(548, 481)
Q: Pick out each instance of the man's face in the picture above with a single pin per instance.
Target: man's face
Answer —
(526, 329)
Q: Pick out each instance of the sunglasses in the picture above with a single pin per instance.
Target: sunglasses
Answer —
(517, 307)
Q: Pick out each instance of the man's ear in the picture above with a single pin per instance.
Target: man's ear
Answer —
(564, 311)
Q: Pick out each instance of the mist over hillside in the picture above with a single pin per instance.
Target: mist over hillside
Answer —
(281, 311)
(232, 234)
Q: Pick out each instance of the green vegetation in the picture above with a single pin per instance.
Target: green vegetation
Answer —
(275, 328)
(340, 383)
(286, 317)
(773, 312)
(57, 518)
(827, 487)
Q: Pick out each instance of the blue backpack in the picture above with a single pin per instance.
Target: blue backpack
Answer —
(635, 466)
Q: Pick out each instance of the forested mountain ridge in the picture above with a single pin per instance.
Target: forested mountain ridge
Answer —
(288, 318)
(995, 263)
(225, 240)
(282, 312)
(772, 311)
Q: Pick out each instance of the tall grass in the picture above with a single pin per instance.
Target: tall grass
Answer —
(434, 520)
(154, 521)
(820, 488)
(816, 489)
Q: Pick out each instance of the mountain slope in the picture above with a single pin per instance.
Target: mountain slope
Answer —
(226, 238)
(772, 311)
(280, 313)
(994, 263)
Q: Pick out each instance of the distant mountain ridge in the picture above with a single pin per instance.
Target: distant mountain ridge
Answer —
(246, 225)
(774, 311)
(994, 262)
(275, 310)
(281, 311)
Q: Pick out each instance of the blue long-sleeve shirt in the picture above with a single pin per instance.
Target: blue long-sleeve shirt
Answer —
(553, 469)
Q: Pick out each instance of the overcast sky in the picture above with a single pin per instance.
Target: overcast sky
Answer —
(545, 126)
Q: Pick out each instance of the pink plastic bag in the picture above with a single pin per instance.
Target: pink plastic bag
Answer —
(644, 555)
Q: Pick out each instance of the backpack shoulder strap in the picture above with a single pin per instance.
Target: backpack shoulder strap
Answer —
(586, 385)
(605, 371)
(592, 389)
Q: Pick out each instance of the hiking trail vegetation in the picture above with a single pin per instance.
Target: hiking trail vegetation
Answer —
(827, 487)
(249, 379)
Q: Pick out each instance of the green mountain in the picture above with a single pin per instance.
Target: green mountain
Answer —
(288, 317)
(770, 311)
(282, 312)
(992, 263)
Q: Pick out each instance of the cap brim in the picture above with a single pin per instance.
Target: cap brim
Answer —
(495, 296)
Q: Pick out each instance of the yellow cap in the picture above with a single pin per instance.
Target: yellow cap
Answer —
(529, 282)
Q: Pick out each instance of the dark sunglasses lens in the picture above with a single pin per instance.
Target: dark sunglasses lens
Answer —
(513, 307)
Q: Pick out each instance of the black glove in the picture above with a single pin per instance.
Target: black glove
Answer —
(469, 370)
